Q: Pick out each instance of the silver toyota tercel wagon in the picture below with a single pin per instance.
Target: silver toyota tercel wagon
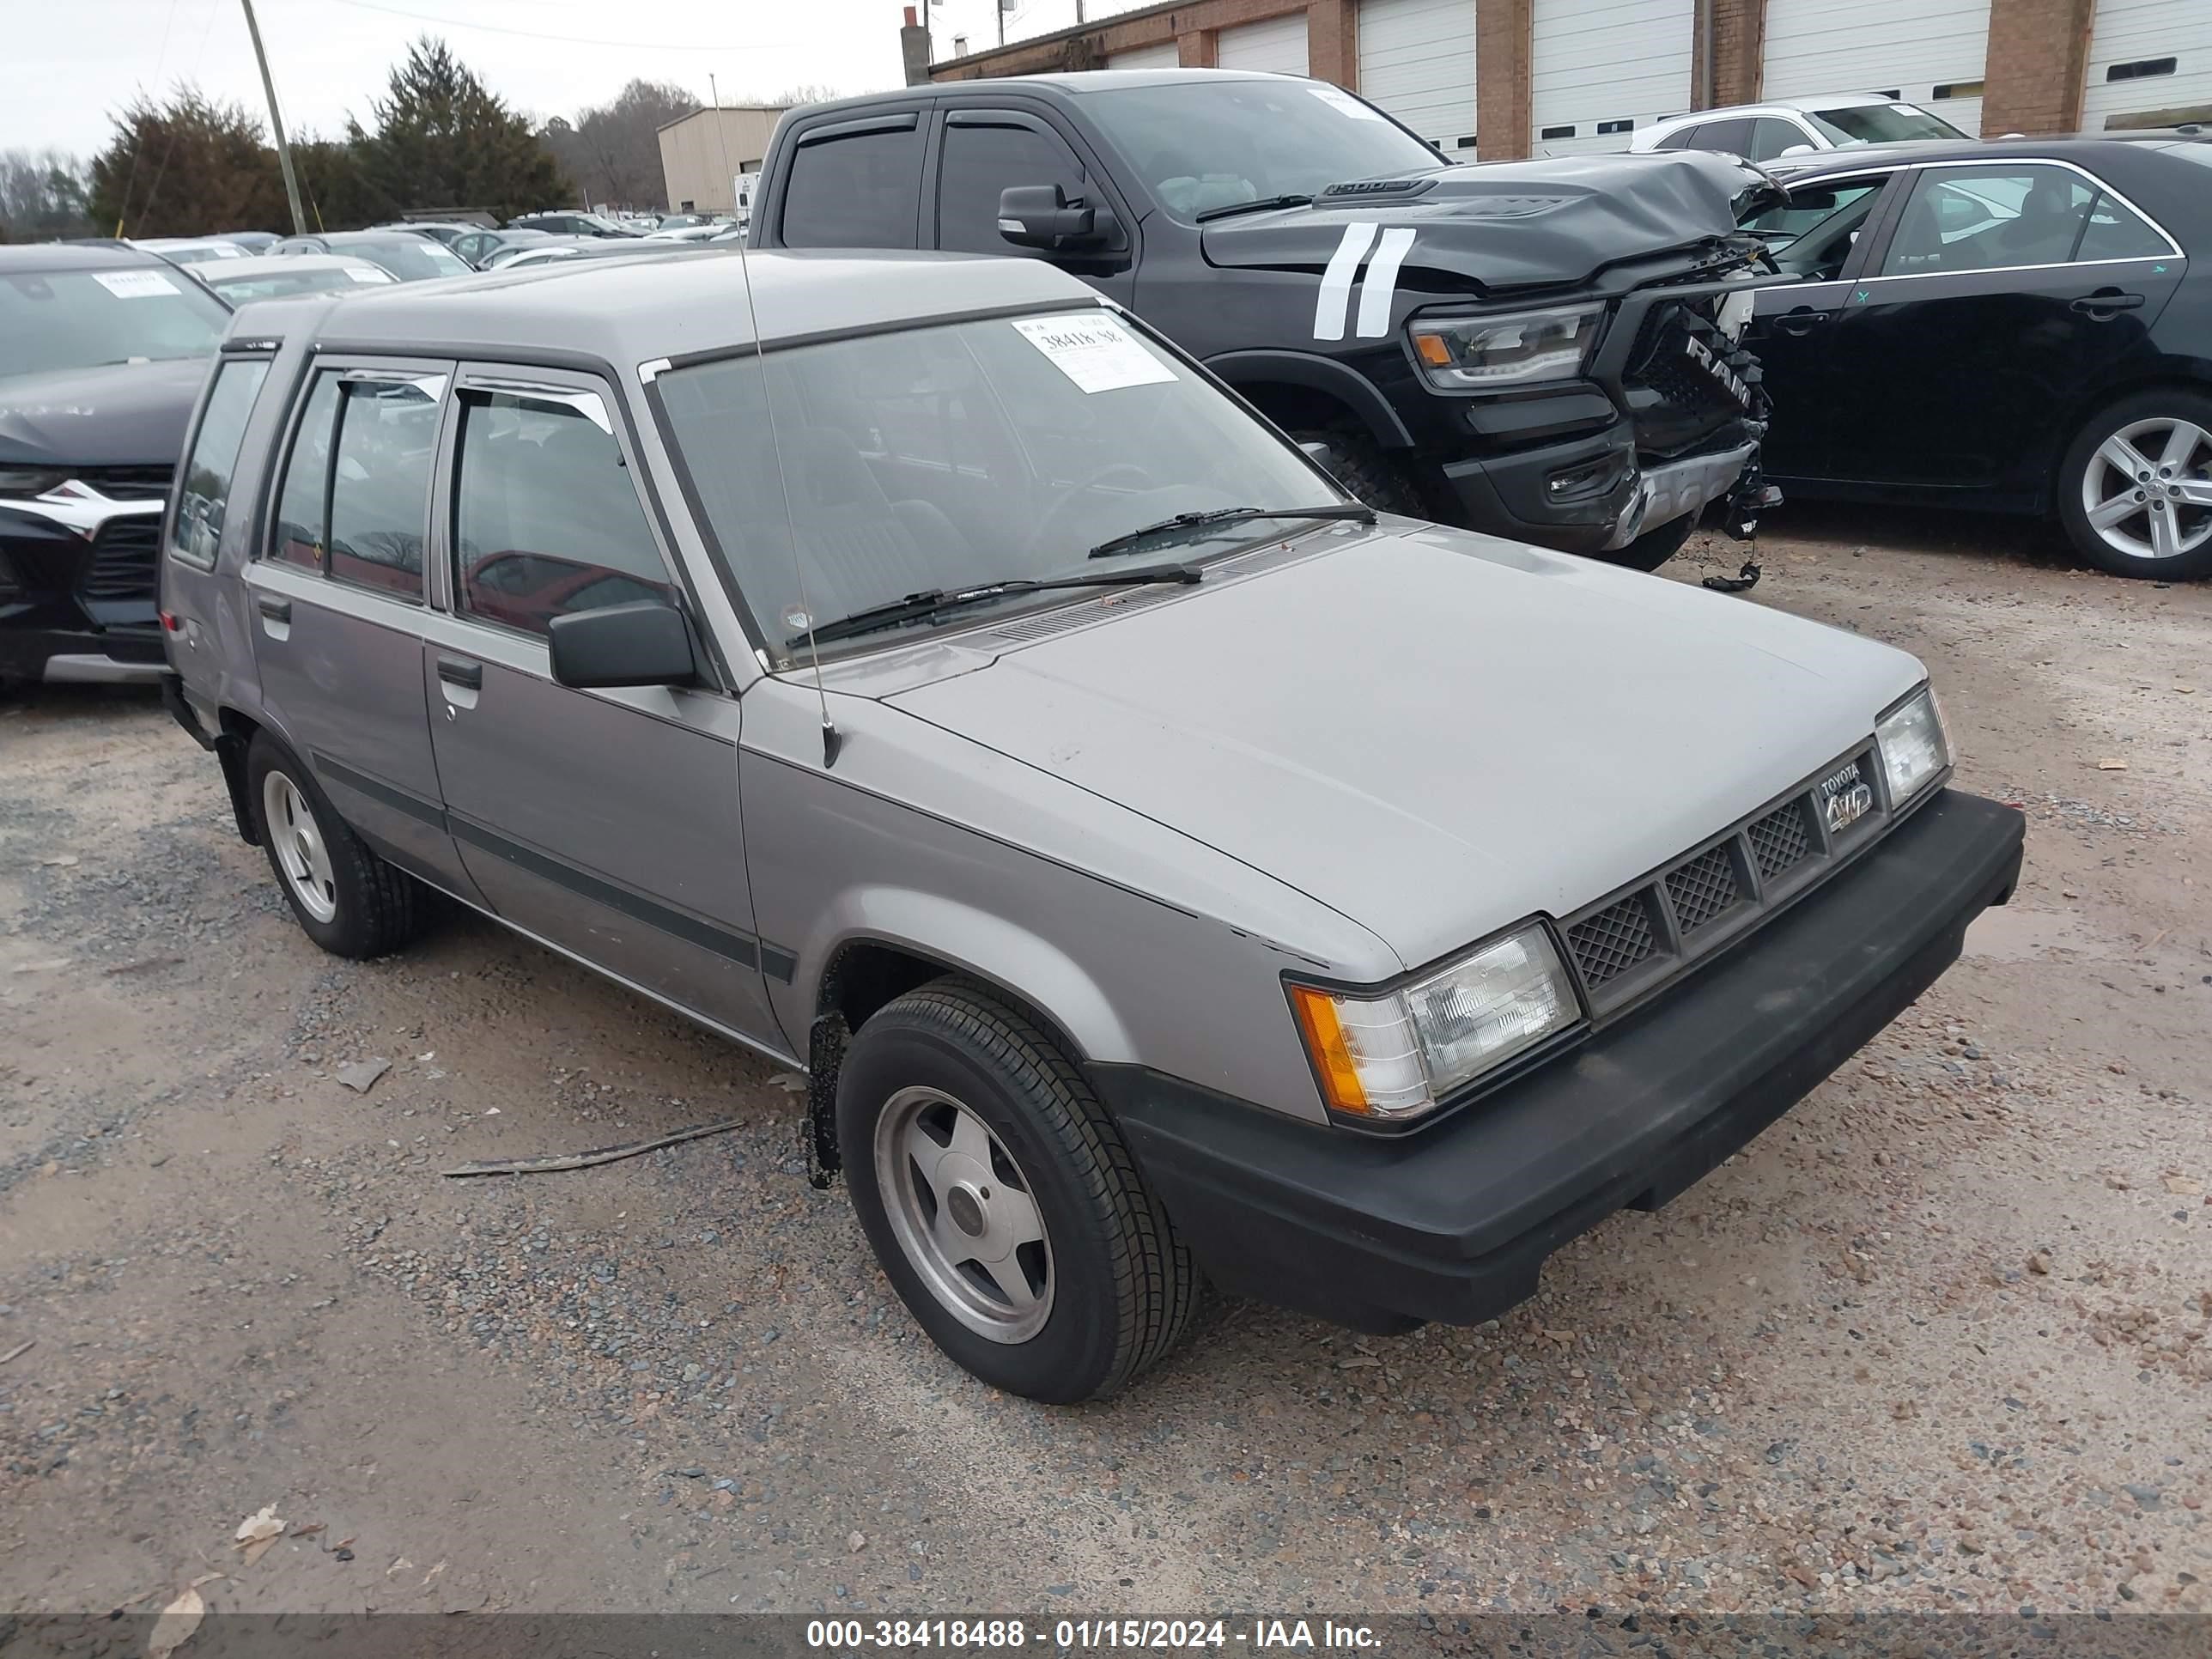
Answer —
(1167, 871)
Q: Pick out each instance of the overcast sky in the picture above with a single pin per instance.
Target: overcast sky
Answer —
(69, 62)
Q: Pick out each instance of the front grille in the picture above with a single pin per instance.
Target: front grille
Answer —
(1616, 938)
(1702, 888)
(1633, 940)
(124, 559)
(1778, 840)
(126, 483)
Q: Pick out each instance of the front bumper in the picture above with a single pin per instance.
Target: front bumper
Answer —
(77, 599)
(1455, 1223)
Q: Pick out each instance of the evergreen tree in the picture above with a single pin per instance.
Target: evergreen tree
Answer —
(442, 139)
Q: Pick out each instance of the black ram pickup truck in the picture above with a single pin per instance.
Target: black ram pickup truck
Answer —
(1547, 350)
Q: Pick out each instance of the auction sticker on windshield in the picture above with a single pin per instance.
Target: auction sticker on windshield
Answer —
(134, 284)
(1344, 103)
(1097, 353)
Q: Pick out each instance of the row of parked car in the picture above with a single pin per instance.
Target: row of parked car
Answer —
(934, 673)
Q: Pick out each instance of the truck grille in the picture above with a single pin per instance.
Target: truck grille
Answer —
(1632, 941)
(124, 559)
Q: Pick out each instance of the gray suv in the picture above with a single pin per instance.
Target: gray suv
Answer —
(914, 669)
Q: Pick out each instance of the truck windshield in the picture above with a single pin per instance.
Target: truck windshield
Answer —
(994, 450)
(52, 319)
(1203, 145)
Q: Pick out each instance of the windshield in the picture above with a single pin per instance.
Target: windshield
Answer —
(992, 449)
(1202, 145)
(411, 258)
(52, 319)
(239, 290)
(1881, 124)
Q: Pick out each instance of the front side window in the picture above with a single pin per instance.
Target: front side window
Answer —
(855, 189)
(1730, 137)
(546, 522)
(379, 496)
(204, 493)
(1770, 137)
(991, 450)
(1989, 219)
(57, 319)
(979, 162)
(1206, 145)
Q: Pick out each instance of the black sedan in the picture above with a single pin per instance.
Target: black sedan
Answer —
(103, 350)
(2016, 326)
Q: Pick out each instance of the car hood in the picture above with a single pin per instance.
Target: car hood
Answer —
(117, 414)
(1512, 224)
(1434, 733)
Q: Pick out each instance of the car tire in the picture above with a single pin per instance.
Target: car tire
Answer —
(2156, 534)
(344, 897)
(1018, 1145)
(1357, 462)
(1654, 547)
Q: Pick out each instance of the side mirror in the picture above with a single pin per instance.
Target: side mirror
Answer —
(1042, 216)
(642, 643)
(1798, 150)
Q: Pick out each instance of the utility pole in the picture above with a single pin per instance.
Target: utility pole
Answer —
(276, 124)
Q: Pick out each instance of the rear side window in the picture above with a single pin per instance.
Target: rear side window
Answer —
(303, 502)
(204, 492)
(2117, 231)
(980, 162)
(855, 189)
(546, 522)
(1989, 219)
(380, 483)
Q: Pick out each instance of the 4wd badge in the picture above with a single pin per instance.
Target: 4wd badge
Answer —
(1846, 798)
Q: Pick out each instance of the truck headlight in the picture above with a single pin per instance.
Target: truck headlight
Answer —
(1394, 1057)
(1912, 744)
(1462, 353)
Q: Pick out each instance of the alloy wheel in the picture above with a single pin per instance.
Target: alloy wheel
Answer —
(963, 1213)
(2147, 491)
(297, 841)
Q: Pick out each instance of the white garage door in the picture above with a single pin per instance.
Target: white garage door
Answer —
(1167, 55)
(1417, 60)
(1929, 52)
(1279, 44)
(2147, 55)
(1598, 69)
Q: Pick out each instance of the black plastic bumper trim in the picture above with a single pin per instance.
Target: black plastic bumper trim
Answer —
(1455, 1224)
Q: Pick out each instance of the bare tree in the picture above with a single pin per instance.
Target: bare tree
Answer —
(613, 150)
(42, 194)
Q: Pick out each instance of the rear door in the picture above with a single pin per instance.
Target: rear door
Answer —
(603, 822)
(337, 602)
(2003, 293)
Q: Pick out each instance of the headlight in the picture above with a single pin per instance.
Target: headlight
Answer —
(1394, 1057)
(1913, 747)
(1462, 352)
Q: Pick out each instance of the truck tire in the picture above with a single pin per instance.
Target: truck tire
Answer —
(1357, 462)
(1654, 547)
(1001, 1201)
(344, 897)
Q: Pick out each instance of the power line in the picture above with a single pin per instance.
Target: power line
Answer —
(570, 40)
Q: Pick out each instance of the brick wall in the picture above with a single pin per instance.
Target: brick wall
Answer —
(1193, 26)
(2038, 53)
(1333, 41)
(1739, 38)
(1501, 69)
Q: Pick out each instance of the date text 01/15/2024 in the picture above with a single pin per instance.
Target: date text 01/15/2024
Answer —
(1070, 1635)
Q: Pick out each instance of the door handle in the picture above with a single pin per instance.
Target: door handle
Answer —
(276, 610)
(469, 675)
(2107, 303)
(1799, 321)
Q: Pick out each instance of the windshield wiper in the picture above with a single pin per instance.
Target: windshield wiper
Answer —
(1262, 205)
(1107, 550)
(915, 606)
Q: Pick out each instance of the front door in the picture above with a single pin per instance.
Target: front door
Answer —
(606, 822)
(2004, 293)
(338, 604)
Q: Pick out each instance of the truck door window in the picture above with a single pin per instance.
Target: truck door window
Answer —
(298, 537)
(980, 161)
(546, 522)
(380, 483)
(855, 189)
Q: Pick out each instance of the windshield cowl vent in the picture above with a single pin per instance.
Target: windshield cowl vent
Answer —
(1059, 618)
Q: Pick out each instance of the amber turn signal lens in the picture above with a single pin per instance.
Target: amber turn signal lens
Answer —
(1433, 352)
(1324, 1035)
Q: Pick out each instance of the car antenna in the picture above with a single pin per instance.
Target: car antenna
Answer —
(831, 740)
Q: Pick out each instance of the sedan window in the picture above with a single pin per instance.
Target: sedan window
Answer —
(1988, 219)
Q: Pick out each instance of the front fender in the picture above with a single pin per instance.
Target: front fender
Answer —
(1354, 391)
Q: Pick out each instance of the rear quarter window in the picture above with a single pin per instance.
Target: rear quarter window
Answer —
(855, 189)
(204, 491)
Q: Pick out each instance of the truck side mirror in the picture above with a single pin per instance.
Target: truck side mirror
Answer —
(1042, 216)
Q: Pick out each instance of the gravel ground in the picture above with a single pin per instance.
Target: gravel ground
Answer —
(1936, 1340)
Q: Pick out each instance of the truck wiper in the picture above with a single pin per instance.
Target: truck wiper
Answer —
(915, 606)
(1107, 550)
(1261, 206)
